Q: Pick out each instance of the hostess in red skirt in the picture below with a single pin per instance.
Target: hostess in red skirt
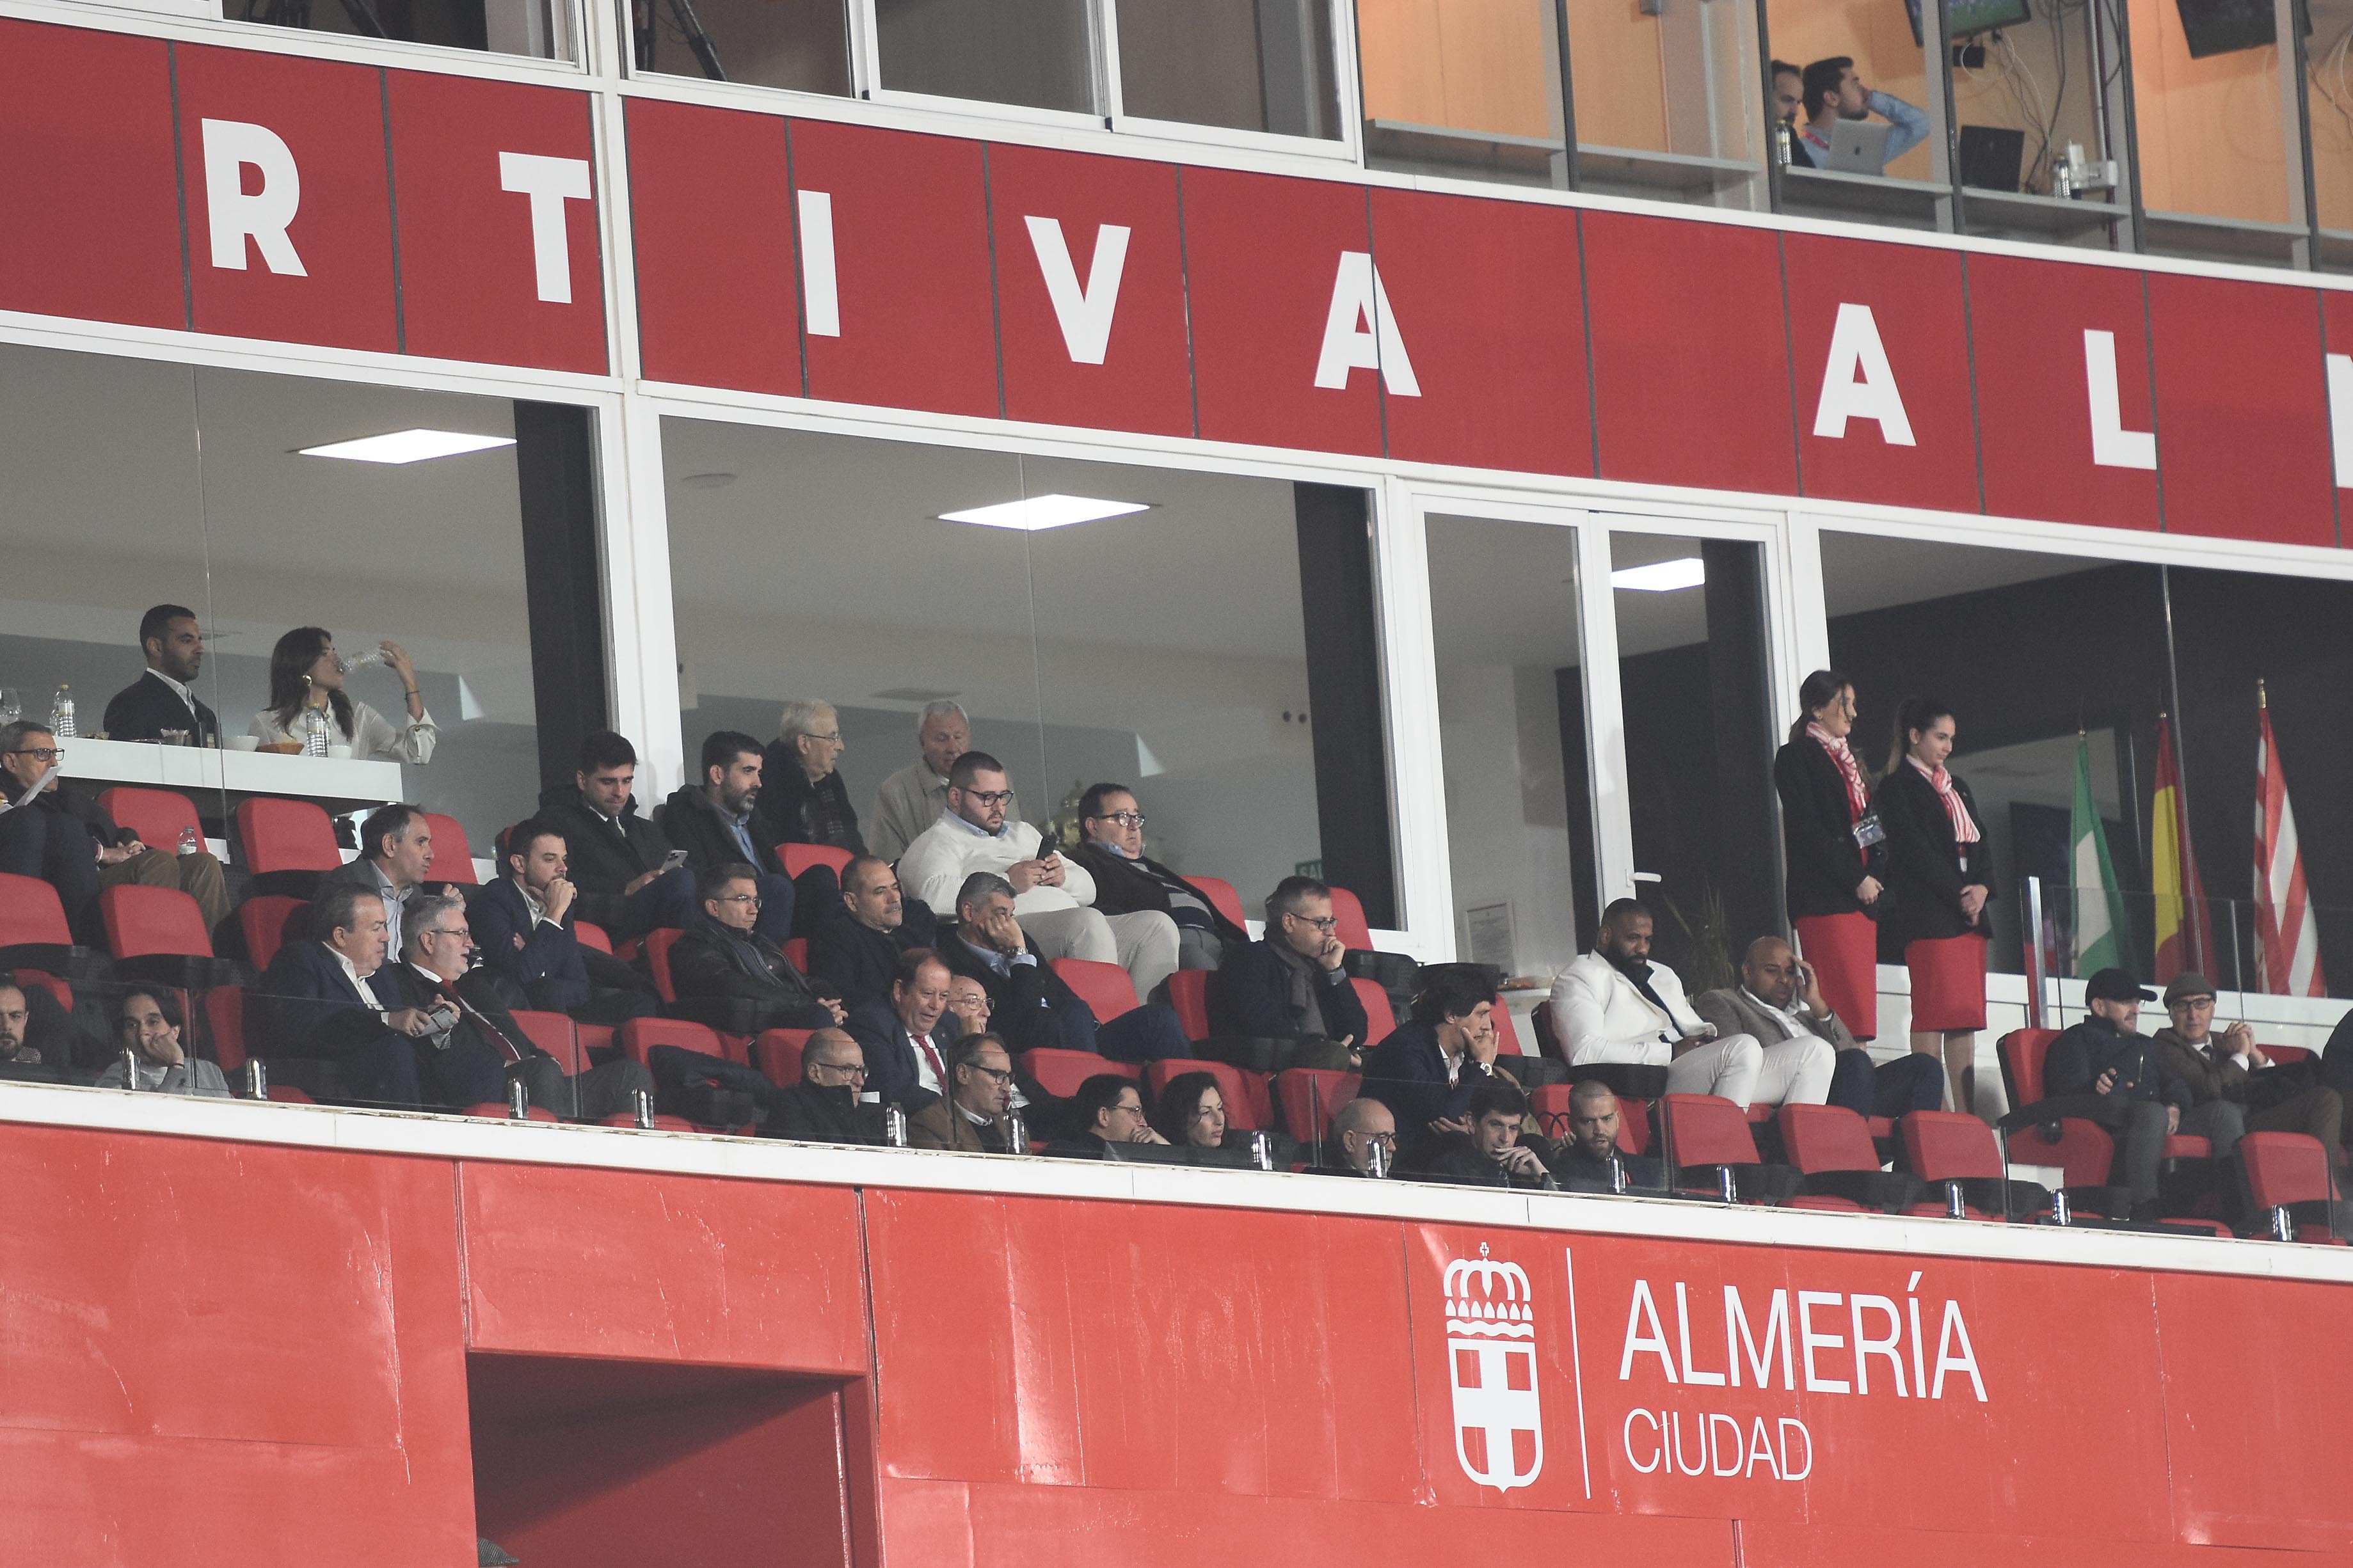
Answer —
(1844, 951)
(1948, 984)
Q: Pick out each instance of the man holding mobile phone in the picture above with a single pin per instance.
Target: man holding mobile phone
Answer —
(627, 877)
(2106, 1055)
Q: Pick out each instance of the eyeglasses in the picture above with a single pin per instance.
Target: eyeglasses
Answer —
(736, 898)
(41, 753)
(854, 1070)
(1002, 1075)
(1328, 925)
(832, 740)
(1124, 818)
(988, 796)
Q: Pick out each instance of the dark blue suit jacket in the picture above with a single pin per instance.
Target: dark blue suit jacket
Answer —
(1407, 1072)
(499, 915)
(307, 1006)
(889, 1057)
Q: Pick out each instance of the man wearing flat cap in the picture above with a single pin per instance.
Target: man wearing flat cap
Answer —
(2225, 1067)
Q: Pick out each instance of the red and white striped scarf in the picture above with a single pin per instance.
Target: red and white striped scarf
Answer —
(1965, 829)
(1858, 793)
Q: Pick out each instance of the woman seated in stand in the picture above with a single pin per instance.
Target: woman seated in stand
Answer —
(306, 675)
(1192, 1110)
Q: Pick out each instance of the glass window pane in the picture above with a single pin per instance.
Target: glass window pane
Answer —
(542, 28)
(2213, 155)
(801, 45)
(1666, 102)
(1039, 53)
(2036, 148)
(2329, 92)
(1469, 88)
(1861, 129)
(1250, 65)
(1511, 703)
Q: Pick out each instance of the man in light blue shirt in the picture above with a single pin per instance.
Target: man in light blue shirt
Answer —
(1834, 92)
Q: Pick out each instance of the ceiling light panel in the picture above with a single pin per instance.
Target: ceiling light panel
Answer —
(408, 446)
(1035, 512)
(1662, 576)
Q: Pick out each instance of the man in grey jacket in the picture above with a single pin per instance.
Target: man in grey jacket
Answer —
(1780, 998)
(912, 799)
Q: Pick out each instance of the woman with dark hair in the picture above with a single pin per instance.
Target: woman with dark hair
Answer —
(1832, 845)
(1941, 874)
(1192, 1110)
(306, 673)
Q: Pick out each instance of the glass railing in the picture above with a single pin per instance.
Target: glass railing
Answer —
(2305, 952)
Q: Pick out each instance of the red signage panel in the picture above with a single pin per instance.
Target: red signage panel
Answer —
(712, 223)
(1691, 366)
(290, 218)
(1288, 328)
(2242, 410)
(894, 268)
(93, 223)
(1881, 343)
(1091, 291)
(1491, 310)
(499, 253)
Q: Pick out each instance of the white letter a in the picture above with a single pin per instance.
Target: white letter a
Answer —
(1859, 384)
(1349, 344)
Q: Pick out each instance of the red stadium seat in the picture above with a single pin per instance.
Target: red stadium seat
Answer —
(658, 945)
(2085, 1149)
(556, 1034)
(1189, 995)
(1819, 1138)
(48, 982)
(268, 920)
(499, 1110)
(778, 1054)
(797, 950)
(32, 929)
(1706, 1133)
(1247, 1104)
(1380, 1023)
(661, 1123)
(286, 836)
(1104, 987)
(640, 1035)
(2284, 1170)
(158, 815)
(453, 857)
(1550, 1103)
(595, 1038)
(2187, 1146)
(798, 858)
(225, 1021)
(1547, 1037)
(1353, 931)
(588, 933)
(1222, 898)
(2022, 1052)
(2287, 1056)
(1060, 1073)
(157, 934)
(1507, 1037)
(287, 1094)
(1310, 1098)
(1946, 1148)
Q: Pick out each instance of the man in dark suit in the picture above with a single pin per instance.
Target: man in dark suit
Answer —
(21, 1061)
(1290, 984)
(1356, 1129)
(858, 951)
(619, 861)
(65, 838)
(724, 957)
(1427, 1070)
(1128, 881)
(523, 924)
(1584, 1160)
(475, 1045)
(328, 998)
(711, 818)
(906, 1059)
(1032, 1007)
(165, 696)
(824, 1108)
(2105, 1056)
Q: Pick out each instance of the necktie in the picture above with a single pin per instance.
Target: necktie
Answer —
(450, 991)
(939, 1068)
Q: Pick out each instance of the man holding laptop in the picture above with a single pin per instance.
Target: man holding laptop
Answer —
(1839, 132)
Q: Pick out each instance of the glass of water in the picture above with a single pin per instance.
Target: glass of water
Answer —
(12, 705)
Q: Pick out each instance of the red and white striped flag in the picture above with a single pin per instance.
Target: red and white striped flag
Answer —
(2286, 941)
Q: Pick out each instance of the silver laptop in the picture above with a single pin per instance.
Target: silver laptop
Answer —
(1859, 146)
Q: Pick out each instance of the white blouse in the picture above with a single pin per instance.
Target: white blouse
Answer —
(373, 738)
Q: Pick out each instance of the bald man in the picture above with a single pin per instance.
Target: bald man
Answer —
(1780, 1001)
(1358, 1126)
(823, 1107)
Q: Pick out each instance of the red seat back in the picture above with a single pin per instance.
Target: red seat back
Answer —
(1188, 995)
(661, 1123)
(142, 920)
(1949, 1145)
(1380, 1023)
(158, 815)
(1104, 987)
(2286, 1168)
(49, 982)
(1507, 1035)
(497, 1110)
(797, 950)
(1352, 930)
(588, 933)
(1060, 1073)
(2022, 1052)
(1222, 898)
(2286, 1055)
(557, 1036)
(2083, 1150)
(268, 920)
(453, 857)
(1633, 1125)
(1246, 1106)
(1705, 1130)
(778, 1054)
(1827, 1138)
(1550, 1102)
(286, 836)
(1309, 1097)
(30, 913)
(639, 1034)
(225, 1021)
(797, 858)
(659, 942)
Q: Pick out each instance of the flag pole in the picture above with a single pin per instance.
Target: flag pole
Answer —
(2180, 751)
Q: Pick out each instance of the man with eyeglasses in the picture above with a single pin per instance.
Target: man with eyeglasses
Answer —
(726, 956)
(1053, 894)
(802, 797)
(1128, 881)
(1290, 984)
(69, 842)
(824, 1108)
(971, 1119)
(1356, 1129)
(2234, 1087)
(1109, 1110)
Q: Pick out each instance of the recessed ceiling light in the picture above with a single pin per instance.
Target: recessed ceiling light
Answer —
(1035, 512)
(707, 481)
(407, 445)
(1662, 576)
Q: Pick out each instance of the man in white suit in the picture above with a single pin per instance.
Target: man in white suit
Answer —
(1613, 1005)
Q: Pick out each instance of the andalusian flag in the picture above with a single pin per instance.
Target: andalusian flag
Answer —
(2102, 933)
(2184, 936)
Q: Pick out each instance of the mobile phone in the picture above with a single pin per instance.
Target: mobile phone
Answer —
(673, 860)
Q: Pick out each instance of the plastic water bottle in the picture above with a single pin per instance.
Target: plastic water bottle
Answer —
(518, 1100)
(1261, 1152)
(191, 841)
(61, 714)
(313, 725)
(895, 1127)
(131, 1067)
(1781, 142)
(643, 1099)
(257, 1080)
(350, 662)
(1016, 1133)
(1377, 1161)
(1617, 1175)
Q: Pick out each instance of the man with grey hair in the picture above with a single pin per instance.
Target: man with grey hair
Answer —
(395, 852)
(803, 799)
(912, 799)
(1030, 1006)
(328, 998)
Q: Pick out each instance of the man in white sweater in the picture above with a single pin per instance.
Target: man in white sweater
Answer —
(1051, 895)
(1613, 1005)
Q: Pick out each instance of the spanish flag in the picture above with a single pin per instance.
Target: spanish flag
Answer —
(2185, 937)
